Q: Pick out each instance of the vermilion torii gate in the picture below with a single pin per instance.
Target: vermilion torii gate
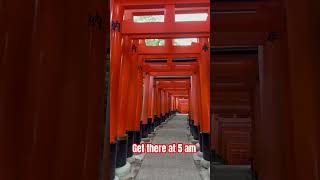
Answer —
(148, 83)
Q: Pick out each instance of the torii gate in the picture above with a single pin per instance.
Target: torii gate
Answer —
(136, 103)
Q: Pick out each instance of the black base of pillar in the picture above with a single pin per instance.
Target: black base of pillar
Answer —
(206, 146)
(163, 118)
(144, 130)
(201, 142)
(122, 148)
(213, 156)
(137, 137)
(131, 137)
(196, 132)
(149, 125)
(192, 128)
(155, 121)
(217, 158)
(113, 155)
(153, 125)
(158, 121)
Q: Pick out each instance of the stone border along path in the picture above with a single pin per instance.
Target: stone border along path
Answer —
(168, 166)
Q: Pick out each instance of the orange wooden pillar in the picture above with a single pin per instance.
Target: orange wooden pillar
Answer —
(172, 103)
(272, 111)
(199, 100)
(169, 104)
(154, 111)
(195, 100)
(117, 126)
(115, 55)
(159, 102)
(288, 80)
(96, 78)
(272, 150)
(176, 103)
(156, 104)
(16, 138)
(146, 84)
(190, 105)
(198, 108)
(133, 86)
(62, 119)
(151, 104)
(303, 51)
(204, 72)
(162, 101)
(115, 62)
(179, 107)
(166, 104)
(44, 113)
(122, 122)
(139, 105)
(125, 73)
(161, 105)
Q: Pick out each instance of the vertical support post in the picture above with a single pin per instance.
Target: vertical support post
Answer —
(133, 86)
(158, 103)
(122, 122)
(303, 37)
(115, 51)
(115, 62)
(139, 108)
(162, 104)
(145, 127)
(195, 122)
(170, 14)
(151, 104)
(204, 72)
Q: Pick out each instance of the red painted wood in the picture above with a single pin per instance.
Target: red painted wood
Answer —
(115, 64)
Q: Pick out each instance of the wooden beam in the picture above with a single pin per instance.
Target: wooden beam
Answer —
(147, 4)
(169, 49)
(246, 17)
(237, 38)
(169, 36)
(153, 28)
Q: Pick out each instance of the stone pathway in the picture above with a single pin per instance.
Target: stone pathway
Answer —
(170, 166)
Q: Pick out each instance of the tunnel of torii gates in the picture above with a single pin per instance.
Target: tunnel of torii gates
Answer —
(149, 83)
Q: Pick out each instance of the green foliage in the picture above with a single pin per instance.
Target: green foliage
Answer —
(184, 41)
(144, 19)
(154, 42)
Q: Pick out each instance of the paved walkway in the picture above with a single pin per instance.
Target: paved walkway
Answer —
(170, 166)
